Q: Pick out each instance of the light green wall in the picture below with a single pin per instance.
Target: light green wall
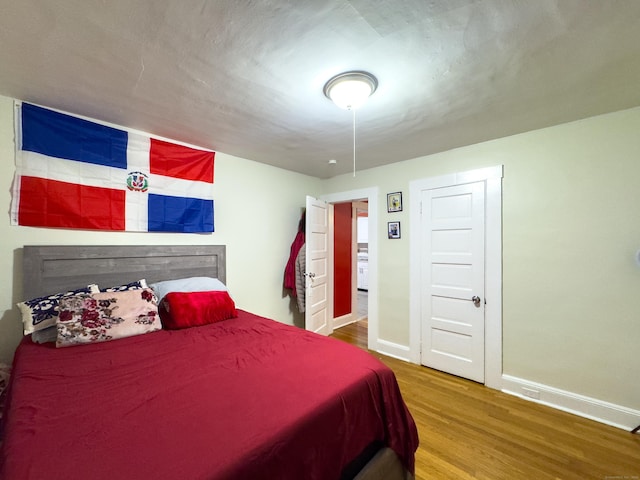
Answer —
(257, 208)
(571, 227)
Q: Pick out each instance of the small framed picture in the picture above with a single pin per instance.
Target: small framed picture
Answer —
(393, 229)
(394, 202)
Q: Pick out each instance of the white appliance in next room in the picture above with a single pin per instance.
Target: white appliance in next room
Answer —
(363, 271)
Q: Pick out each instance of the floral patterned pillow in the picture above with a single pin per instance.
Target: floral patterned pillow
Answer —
(104, 316)
(42, 312)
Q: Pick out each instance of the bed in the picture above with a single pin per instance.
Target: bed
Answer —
(242, 398)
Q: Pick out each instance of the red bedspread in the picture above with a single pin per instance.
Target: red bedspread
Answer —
(246, 398)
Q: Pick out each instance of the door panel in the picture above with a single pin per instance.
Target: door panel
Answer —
(451, 310)
(452, 344)
(452, 272)
(452, 241)
(452, 280)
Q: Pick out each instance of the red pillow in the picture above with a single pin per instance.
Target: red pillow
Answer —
(192, 309)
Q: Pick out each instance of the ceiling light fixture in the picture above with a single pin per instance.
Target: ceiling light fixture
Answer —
(350, 90)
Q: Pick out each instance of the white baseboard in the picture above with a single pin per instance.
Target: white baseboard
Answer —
(591, 408)
(581, 405)
(395, 350)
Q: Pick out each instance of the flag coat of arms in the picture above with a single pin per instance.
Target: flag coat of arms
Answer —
(73, 173)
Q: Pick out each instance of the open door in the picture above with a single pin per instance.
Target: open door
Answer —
(319, 266)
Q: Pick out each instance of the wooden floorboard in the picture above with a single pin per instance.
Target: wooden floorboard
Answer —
(469, 431)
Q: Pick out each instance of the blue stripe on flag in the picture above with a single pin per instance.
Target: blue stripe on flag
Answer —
(62, 136)
(180, 214)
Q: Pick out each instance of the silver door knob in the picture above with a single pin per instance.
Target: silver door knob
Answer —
(476, 300)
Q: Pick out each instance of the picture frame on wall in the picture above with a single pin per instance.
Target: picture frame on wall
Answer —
(394, 202)
(393, 229)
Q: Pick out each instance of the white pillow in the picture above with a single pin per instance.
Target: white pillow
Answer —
(191, 284)
(46, 335)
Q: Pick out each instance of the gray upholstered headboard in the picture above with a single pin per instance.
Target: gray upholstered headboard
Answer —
(52, 269)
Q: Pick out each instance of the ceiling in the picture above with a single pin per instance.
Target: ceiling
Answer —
(245, 77)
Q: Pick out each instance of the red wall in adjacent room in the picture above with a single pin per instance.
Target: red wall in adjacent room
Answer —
(342, 259)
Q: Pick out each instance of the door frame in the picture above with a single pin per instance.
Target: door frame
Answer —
(492, 176)
(371, 195)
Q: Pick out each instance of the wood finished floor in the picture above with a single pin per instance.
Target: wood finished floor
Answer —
(468, 431)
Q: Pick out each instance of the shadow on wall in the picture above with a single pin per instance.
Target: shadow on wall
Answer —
(10, 322)
(10, 334)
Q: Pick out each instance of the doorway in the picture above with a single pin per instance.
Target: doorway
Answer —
(488, 306)
(360, 253)
(370, 195)
(452, 273)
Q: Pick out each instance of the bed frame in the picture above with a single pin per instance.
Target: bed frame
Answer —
(51, 269)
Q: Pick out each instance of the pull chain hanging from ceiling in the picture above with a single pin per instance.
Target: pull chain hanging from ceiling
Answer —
(354, 142)
(349, 90)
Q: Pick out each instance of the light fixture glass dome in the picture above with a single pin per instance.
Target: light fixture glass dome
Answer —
(350, 90)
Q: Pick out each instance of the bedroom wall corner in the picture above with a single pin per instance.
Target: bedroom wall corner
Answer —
(10, 256)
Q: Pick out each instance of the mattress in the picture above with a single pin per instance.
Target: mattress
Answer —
(245, 398)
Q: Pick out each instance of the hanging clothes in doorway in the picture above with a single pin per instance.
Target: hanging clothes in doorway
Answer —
(290, 269)
(301, 278)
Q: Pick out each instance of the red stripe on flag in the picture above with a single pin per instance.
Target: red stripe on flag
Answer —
(49, 203)
(178, 161)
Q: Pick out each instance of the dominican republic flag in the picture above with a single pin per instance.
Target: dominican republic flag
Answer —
(73, 173)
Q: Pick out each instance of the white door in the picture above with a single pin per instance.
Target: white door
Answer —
(452, 270)
(319, 267)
